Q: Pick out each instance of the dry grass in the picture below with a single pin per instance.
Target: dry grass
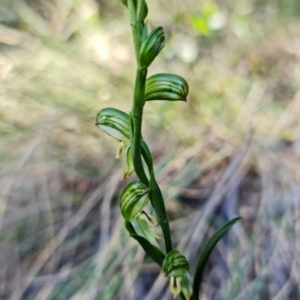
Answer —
(233, 149)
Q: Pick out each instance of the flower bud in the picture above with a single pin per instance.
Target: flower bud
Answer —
(174, 264)
(114, 122)
(168, 87)
(151, 47)
(133, 199)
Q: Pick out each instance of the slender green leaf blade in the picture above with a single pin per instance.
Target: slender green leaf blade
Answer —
(129, 227)
(155, 253)
(156, 198)
(203, 258)
(158, 204)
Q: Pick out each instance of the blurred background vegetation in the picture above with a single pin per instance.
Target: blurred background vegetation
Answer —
(233, 148)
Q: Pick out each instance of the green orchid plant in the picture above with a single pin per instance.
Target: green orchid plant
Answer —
(127, 129)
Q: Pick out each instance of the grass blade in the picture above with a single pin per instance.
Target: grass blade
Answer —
(203, 258)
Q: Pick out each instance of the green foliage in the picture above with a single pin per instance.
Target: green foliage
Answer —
(154, 252)
(208, 248)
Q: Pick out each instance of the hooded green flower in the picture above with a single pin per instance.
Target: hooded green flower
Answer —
(175, 267)
(132, 203)
(116, 124)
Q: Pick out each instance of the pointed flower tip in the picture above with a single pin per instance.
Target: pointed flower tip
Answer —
(175, 286)
(147, 218)
(126, 175)
(128, 162)
(186, 285)
(121, 146)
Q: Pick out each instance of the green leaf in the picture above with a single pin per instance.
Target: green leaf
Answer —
(158, 204)
(204, 256)
(129, 227)
(156, 197)
(168, 87)
(154, 252)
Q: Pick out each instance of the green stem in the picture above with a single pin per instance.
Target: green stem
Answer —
(138, 98)
(136, 134)
(136, 39)
(137, 115)
(136, 27)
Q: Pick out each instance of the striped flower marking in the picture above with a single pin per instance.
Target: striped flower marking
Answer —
(168, 87)
(116, 123)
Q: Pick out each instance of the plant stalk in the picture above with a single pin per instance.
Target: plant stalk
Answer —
(136, 136)
(137, 115)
